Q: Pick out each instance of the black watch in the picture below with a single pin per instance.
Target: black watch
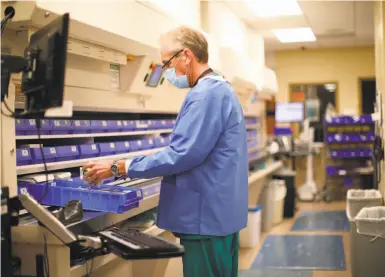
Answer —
(115, 170)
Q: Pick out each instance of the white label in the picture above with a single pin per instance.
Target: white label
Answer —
(53, 184)
(119, 123)
(56, 123)
(127, 144)
(162, 140)
(73, 148)
(104, 123)
(125, 123)
(150, 142)
(24, 153)
(139, 142)
(66, 122)
(114, 76)
(163, 122)
(52, 150)
(112, 145)
(18, 121)
(24, 190)
(138, 193)
(32, 122)
(77, 123)
(93, 147)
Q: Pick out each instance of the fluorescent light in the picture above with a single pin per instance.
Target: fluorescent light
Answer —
(274, 8)
(294, 35)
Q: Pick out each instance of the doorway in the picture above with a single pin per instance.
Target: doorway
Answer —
(368, 95)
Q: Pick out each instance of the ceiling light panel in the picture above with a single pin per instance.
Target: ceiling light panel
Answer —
(294, 35)
(274, 8)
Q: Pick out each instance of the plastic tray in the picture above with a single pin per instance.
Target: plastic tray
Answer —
(352, 153)
(30, 127)
(50, 155)
(59, 127)
(123, 147)
(103, 199)
(81, 126)
(89, 151)
(23, 156)
(128, 125)
(99, 126)
(351, 120)
(349, 138)
(114, 126)
(20, 127)
(160, 142)
(107, 148)
(67, 153)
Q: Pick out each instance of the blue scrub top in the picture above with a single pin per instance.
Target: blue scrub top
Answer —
(205, 186)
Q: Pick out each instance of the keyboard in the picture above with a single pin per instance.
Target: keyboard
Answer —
(136, 241)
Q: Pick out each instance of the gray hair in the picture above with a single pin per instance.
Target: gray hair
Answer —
(186, 37)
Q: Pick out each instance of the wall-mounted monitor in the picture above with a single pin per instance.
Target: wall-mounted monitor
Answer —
(155, 76)
(288, 112)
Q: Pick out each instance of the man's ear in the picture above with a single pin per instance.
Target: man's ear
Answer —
(189, 56)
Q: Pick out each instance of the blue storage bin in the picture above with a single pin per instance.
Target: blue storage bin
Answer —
(50, 155)
(122, 147)
(147, 144)
(99, 126)
(128, 125)
(103, 199)
(141, 125)
(67, 153)
(23, 156)
(60, 127)
(89, 151)
(114, 126)
(159, 142)
(81, 126)
(158, 124)
(136, 145)
(20, 127)
(150, 189)
(107, 148)
(30, 127)
(169, 123)
(282, 131)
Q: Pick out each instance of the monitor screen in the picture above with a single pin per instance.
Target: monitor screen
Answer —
(155, 76)
(289, 112)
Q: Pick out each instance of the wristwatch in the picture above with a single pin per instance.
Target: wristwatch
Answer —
(115, 170)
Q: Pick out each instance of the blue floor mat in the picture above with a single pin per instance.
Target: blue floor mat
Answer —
(301, 253)
(322, 221)
(274, 273)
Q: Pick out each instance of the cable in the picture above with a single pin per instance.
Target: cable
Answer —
(38, 126)
(46, 262)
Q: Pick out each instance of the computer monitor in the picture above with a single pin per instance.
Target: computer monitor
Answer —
(289, 112)
(43, 77)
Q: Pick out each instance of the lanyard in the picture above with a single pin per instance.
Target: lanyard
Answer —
(204, 73)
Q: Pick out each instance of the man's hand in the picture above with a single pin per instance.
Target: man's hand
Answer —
(97, 172)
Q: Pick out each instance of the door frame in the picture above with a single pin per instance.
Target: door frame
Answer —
(359, 80)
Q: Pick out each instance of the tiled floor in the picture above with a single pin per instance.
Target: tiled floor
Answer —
(247, 256)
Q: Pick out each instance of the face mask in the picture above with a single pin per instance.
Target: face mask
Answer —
(178, 81)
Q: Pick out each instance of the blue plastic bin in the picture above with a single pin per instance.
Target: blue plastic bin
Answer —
(122, 147)
(30, 127)
(81, 126)
(61, 127)
(23, 156)
(103, 199)
(67, 153)
(99, 126)
(159, 142)
(89, 151)
(20, 127)
(107, 148)
(136, 145)
(50, 155)
(114, 126)
(128, 125)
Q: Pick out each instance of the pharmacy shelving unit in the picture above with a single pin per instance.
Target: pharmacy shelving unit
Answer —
(349, 150)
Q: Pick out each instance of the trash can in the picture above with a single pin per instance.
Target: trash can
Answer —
(288, 176)
(280, 194)
(362, 247)
(268, 203)
(368, 235)
(249, 237)
(358, 199)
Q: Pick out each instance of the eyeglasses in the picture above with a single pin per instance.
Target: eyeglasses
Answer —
(170, 59)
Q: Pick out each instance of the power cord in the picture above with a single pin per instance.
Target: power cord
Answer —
(38, 129)
(46, 260)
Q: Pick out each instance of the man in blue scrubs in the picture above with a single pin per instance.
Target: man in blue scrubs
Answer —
(204, 193)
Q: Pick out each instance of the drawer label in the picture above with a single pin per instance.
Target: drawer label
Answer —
(32, 122)
(112, 145)
(24, 153)
(127, 144)
(77, 123)
(119, 123)
(93, 147)
(52, 150)
(104, 123)
(56, 123)
(139, 142)
(125, 123)
(73, 148)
